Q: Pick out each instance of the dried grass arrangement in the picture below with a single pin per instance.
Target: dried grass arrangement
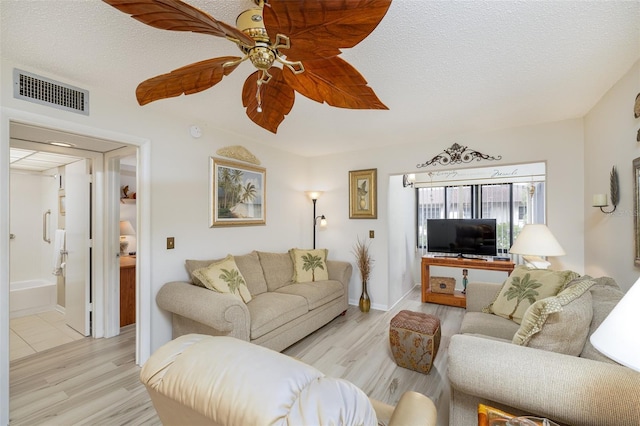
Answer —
(364, 262)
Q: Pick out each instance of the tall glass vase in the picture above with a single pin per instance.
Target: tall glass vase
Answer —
(365, 302)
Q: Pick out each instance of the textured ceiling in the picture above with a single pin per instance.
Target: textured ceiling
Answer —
(442, 67)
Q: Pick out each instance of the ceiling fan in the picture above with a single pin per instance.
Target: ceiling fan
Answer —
(304, 36)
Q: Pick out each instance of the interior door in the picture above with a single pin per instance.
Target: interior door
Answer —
(77, 222)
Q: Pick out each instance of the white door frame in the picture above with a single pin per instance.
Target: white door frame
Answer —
(100, 308)
(112, 242)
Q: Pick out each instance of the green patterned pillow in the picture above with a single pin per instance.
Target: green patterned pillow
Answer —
(559, 323)
(309, 265)
(524, 287)
(224, 277)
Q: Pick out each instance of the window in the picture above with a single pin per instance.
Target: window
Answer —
(512, 204)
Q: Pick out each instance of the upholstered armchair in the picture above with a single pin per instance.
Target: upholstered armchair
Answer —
(220, 380)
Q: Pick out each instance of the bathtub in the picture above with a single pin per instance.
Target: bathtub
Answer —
(31, 297)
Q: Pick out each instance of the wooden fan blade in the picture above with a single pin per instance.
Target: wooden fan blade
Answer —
(190, 79)
(277, 99)
(319, 28)
(175, 15)
(335, 82)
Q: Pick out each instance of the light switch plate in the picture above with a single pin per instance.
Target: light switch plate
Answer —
(372, 234)
(171, 243)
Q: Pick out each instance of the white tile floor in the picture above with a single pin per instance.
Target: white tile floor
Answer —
(36, 333)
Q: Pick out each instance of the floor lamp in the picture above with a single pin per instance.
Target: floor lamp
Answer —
(617, 337)
(314, 195)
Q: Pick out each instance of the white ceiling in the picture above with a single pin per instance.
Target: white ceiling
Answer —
(26, 159)
(51, 147)
(442, 67)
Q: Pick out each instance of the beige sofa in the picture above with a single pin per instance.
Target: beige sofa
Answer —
(485, 367)
(280, 312)
(190, 383)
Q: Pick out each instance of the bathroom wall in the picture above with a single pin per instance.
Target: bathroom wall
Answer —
(32, 194)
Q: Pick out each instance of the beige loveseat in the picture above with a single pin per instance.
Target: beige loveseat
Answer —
(280, 312)
(190, 383)
(486, 367)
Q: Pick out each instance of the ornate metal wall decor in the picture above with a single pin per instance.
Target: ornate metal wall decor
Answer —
(457, 154)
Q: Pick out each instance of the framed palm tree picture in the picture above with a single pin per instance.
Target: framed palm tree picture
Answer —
(238, 194)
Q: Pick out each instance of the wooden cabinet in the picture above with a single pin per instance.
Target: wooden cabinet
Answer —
(127, 290)
(457, 298)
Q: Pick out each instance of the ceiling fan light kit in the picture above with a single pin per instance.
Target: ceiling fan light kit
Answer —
(306, 38)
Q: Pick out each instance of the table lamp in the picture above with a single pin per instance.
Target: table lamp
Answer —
(125, 229)
(536, 240)
(617, 337)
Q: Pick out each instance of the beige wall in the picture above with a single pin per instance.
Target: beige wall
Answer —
(179, 185)
(559, 144)
(610, 140)
(179, 189)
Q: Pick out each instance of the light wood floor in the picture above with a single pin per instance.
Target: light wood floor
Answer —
(95, 381)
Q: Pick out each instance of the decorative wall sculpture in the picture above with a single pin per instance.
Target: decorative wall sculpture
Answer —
(457, 154)
(238, 152)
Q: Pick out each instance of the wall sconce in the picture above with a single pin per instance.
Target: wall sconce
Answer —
(314, 195)
(408, 180)
(600, 200)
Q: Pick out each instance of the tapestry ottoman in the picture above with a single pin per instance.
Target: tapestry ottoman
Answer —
(414, 338)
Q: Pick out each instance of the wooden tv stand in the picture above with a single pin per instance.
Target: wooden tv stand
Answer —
(457, 298)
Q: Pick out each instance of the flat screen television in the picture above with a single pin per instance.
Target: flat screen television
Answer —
(462, 237)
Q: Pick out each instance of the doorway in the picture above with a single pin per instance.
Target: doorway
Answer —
(38, 319)
(63, 177)
(104, 307)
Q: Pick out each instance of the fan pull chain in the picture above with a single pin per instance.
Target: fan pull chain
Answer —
(259, 96)
(265, 77)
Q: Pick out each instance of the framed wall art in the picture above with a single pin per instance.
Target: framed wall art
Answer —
(238, 194)
(363, 188)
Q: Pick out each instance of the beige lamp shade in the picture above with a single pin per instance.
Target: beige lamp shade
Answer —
(618, 337)
(126, 228)
(600, 200)
(314, 195)
(536, 240)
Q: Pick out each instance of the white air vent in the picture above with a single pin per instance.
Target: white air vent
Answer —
(44, 91)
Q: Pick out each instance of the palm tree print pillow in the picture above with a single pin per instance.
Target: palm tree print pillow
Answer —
(524, 287)
(224, 277)
(309, 265)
